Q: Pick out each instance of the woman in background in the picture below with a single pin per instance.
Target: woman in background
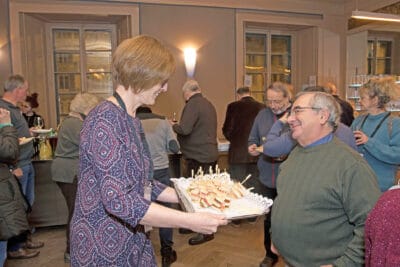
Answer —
(377, 133)
(64, 168)
(27, 107)
(115, 198)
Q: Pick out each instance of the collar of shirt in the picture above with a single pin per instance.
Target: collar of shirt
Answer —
(321, 141)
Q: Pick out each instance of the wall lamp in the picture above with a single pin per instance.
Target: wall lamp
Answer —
(374, 16)
(190, 56)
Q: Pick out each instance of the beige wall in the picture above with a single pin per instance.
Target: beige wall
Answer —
(212, 31)
(211, 25)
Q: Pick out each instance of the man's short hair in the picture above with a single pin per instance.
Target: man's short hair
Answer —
(322, 100)
(191, 85)
(285, 88)
(13, 82)
(243, 90)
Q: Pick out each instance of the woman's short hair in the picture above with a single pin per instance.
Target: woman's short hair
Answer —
(83, 103)
(385, 88)
(32, 100)
(141, 63)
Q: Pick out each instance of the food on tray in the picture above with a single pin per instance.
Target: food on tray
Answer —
(215, 190)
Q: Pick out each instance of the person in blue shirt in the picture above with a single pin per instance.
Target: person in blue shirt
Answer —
(377, 132)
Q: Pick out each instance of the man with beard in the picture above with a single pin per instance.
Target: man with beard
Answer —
(278, 97)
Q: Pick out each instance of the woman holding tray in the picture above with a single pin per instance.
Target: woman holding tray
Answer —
(116, 193)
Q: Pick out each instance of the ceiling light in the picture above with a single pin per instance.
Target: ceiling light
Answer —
(375, 16)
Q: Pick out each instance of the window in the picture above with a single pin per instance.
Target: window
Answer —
(379, 57)
(268, 59)
(82, 63)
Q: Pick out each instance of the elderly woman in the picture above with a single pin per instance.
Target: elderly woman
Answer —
(64, 168)
(377, 133)
(116, 193)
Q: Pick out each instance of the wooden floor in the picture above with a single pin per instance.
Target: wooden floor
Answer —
(233, 246)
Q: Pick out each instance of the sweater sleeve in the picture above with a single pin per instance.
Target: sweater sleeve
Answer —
(278, 143)
(8, 144)
(357, 204)
(188, 119)
(254, 136)
(386, 152)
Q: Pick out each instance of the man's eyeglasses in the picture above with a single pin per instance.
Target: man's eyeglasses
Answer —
(274, 101)
(296, 110)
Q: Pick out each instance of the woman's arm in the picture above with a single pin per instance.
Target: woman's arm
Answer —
(160, 216)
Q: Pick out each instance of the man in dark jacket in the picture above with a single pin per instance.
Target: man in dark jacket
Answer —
(236, 129)
(197, 136)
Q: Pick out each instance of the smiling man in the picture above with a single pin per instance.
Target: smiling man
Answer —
(325, 191)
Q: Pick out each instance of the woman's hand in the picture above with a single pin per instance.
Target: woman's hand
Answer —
(206, 223)
(361, 138)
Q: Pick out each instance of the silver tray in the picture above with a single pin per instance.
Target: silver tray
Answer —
(250, 205)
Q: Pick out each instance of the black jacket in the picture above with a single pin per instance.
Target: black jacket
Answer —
(13, 206)
(237, 126)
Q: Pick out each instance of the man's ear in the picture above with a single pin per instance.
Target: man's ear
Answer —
(323, 116)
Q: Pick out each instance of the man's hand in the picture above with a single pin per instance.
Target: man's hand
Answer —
(18, 172)
(252, 149)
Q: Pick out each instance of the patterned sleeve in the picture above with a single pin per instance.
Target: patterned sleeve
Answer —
(119, 171)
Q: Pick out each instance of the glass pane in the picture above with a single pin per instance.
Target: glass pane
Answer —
(370, 48)
(256, 43)
(255, 63)
(97, 40)
(383, 49)
(99, 82)
(370, 66)
(280, 63)
(281, 78)
(258, 95)
(98, 61)
(257, 81)
(68, 83)
(280, 44)
(65, 101)
(383, 66)
(66, 62)
(66, 39)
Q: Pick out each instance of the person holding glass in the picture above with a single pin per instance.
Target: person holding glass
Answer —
(31, 117)
(15, 90)
(64, 168)
(377, 132)
(115, 197)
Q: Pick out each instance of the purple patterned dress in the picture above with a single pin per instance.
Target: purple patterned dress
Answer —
(114, 166)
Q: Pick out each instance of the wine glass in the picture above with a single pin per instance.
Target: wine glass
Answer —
(38, 122)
